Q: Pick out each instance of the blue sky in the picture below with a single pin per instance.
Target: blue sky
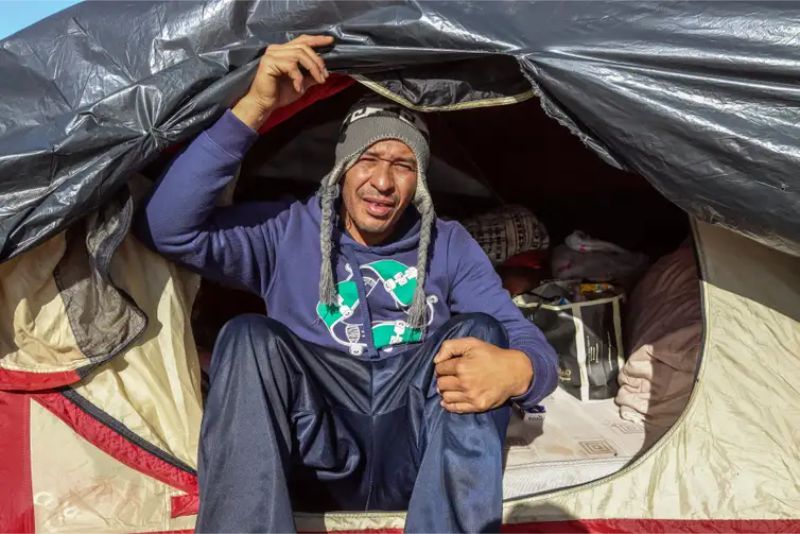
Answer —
(18, 14)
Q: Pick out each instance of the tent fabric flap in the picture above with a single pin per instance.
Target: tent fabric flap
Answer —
(112, 445)
(60, 313)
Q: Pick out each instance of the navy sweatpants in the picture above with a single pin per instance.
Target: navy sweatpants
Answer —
(291, 425)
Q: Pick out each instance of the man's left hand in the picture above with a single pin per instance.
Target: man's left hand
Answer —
(475, 376)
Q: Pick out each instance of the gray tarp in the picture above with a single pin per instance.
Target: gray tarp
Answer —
(702, 99)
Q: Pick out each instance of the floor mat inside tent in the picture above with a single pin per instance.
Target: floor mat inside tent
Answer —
(571, 443)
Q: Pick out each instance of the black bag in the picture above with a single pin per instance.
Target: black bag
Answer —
(588, 339)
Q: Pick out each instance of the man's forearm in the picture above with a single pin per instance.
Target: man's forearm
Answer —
(186, 195)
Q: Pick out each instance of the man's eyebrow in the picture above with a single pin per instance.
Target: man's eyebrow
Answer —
(376, 154)
(410, 161)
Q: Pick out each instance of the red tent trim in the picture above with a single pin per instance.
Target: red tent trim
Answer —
(16, 489)
(29, 381)
(335, 83)
(128, 453)
(609, 526)
(619, 526)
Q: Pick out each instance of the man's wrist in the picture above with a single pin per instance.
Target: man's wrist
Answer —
(251, 112)
(522, 372)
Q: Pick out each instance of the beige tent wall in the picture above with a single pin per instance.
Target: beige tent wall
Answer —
(34, 336)
(154, 387)
(733, 454)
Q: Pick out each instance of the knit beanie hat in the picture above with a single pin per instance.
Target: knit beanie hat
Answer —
(370, 120)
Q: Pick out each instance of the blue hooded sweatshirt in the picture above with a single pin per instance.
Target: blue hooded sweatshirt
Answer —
(273, 250)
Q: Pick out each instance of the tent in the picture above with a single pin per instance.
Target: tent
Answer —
(101, 396)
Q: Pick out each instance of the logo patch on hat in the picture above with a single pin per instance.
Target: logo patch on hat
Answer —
(386, 109)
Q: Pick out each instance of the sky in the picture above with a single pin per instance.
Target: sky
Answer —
(18, 14)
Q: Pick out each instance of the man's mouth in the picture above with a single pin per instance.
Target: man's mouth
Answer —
(378, 207)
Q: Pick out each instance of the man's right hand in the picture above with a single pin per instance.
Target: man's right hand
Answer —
(280, 81)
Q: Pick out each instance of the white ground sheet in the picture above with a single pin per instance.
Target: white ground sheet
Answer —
(573, 442)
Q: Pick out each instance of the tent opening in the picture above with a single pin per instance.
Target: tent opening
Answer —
(485, 160)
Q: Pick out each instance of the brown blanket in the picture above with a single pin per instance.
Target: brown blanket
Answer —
(664, 327)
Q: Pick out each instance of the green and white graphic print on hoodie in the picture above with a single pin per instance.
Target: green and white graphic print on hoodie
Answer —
(387, 280)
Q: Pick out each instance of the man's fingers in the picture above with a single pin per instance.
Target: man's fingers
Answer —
(451, 397)
(298, 56)
(452, 348)
(459, 407)
(312, 40)
(447, 367)
(294, 73)
(448, 383)
(443, 356)
(308, 58)
(316, 59)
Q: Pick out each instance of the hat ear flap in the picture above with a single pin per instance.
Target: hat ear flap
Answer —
(418, 313)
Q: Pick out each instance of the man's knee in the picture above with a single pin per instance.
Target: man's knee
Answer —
(484, 327)
(246, 335)
(250, 325)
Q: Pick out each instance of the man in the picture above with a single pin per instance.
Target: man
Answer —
(376, 383)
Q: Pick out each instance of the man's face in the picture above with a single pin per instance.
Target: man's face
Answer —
(377, 190)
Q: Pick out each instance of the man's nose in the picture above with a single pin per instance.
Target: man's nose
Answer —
(382, 178)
